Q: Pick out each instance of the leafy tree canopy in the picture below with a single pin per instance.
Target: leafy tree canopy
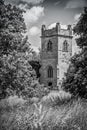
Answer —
(16, 74)
(76, 77)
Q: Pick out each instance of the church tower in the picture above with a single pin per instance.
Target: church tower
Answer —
(56, 50)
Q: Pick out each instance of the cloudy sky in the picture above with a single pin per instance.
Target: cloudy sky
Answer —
(47, 12)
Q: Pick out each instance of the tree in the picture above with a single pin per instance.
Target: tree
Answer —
(16, 74)
(35, 62)
(36, 66)
(76, 77)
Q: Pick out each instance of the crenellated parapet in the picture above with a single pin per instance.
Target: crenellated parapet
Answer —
(48, 32)
(57, 30)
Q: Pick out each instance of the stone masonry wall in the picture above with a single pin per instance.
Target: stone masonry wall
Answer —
(57, 58)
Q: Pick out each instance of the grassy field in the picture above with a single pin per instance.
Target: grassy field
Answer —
(56, 111)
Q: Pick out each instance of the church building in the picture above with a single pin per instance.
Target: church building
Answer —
(56, 51)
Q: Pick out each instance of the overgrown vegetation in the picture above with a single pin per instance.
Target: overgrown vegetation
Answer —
(52, 112)
(16, 74)
(24, 103)
(76, 77)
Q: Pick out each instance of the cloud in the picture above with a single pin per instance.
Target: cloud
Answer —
(24, 7)
(76, 4)
(53, 25)
(34, 31)
(32, 15)
(57, 3)
(77, 16)
(33, 1)
(17, 2)
(36, 49)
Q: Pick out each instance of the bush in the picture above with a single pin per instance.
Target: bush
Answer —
(39, 90)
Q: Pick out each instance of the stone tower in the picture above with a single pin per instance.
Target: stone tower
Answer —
(56, 50)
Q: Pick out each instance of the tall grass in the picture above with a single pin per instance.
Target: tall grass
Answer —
(56, 98)
(16, 114)
(64, 112)
(56, 111)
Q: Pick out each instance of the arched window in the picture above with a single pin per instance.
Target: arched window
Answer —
(65, 46)
(49, 46)
(50, 72)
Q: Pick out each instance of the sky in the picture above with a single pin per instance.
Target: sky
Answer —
(47, 12)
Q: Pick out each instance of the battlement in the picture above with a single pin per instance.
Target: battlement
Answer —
(56, 30)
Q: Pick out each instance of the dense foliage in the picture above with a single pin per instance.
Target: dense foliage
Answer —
(36, 66)
(16, 74)
(76, 77)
